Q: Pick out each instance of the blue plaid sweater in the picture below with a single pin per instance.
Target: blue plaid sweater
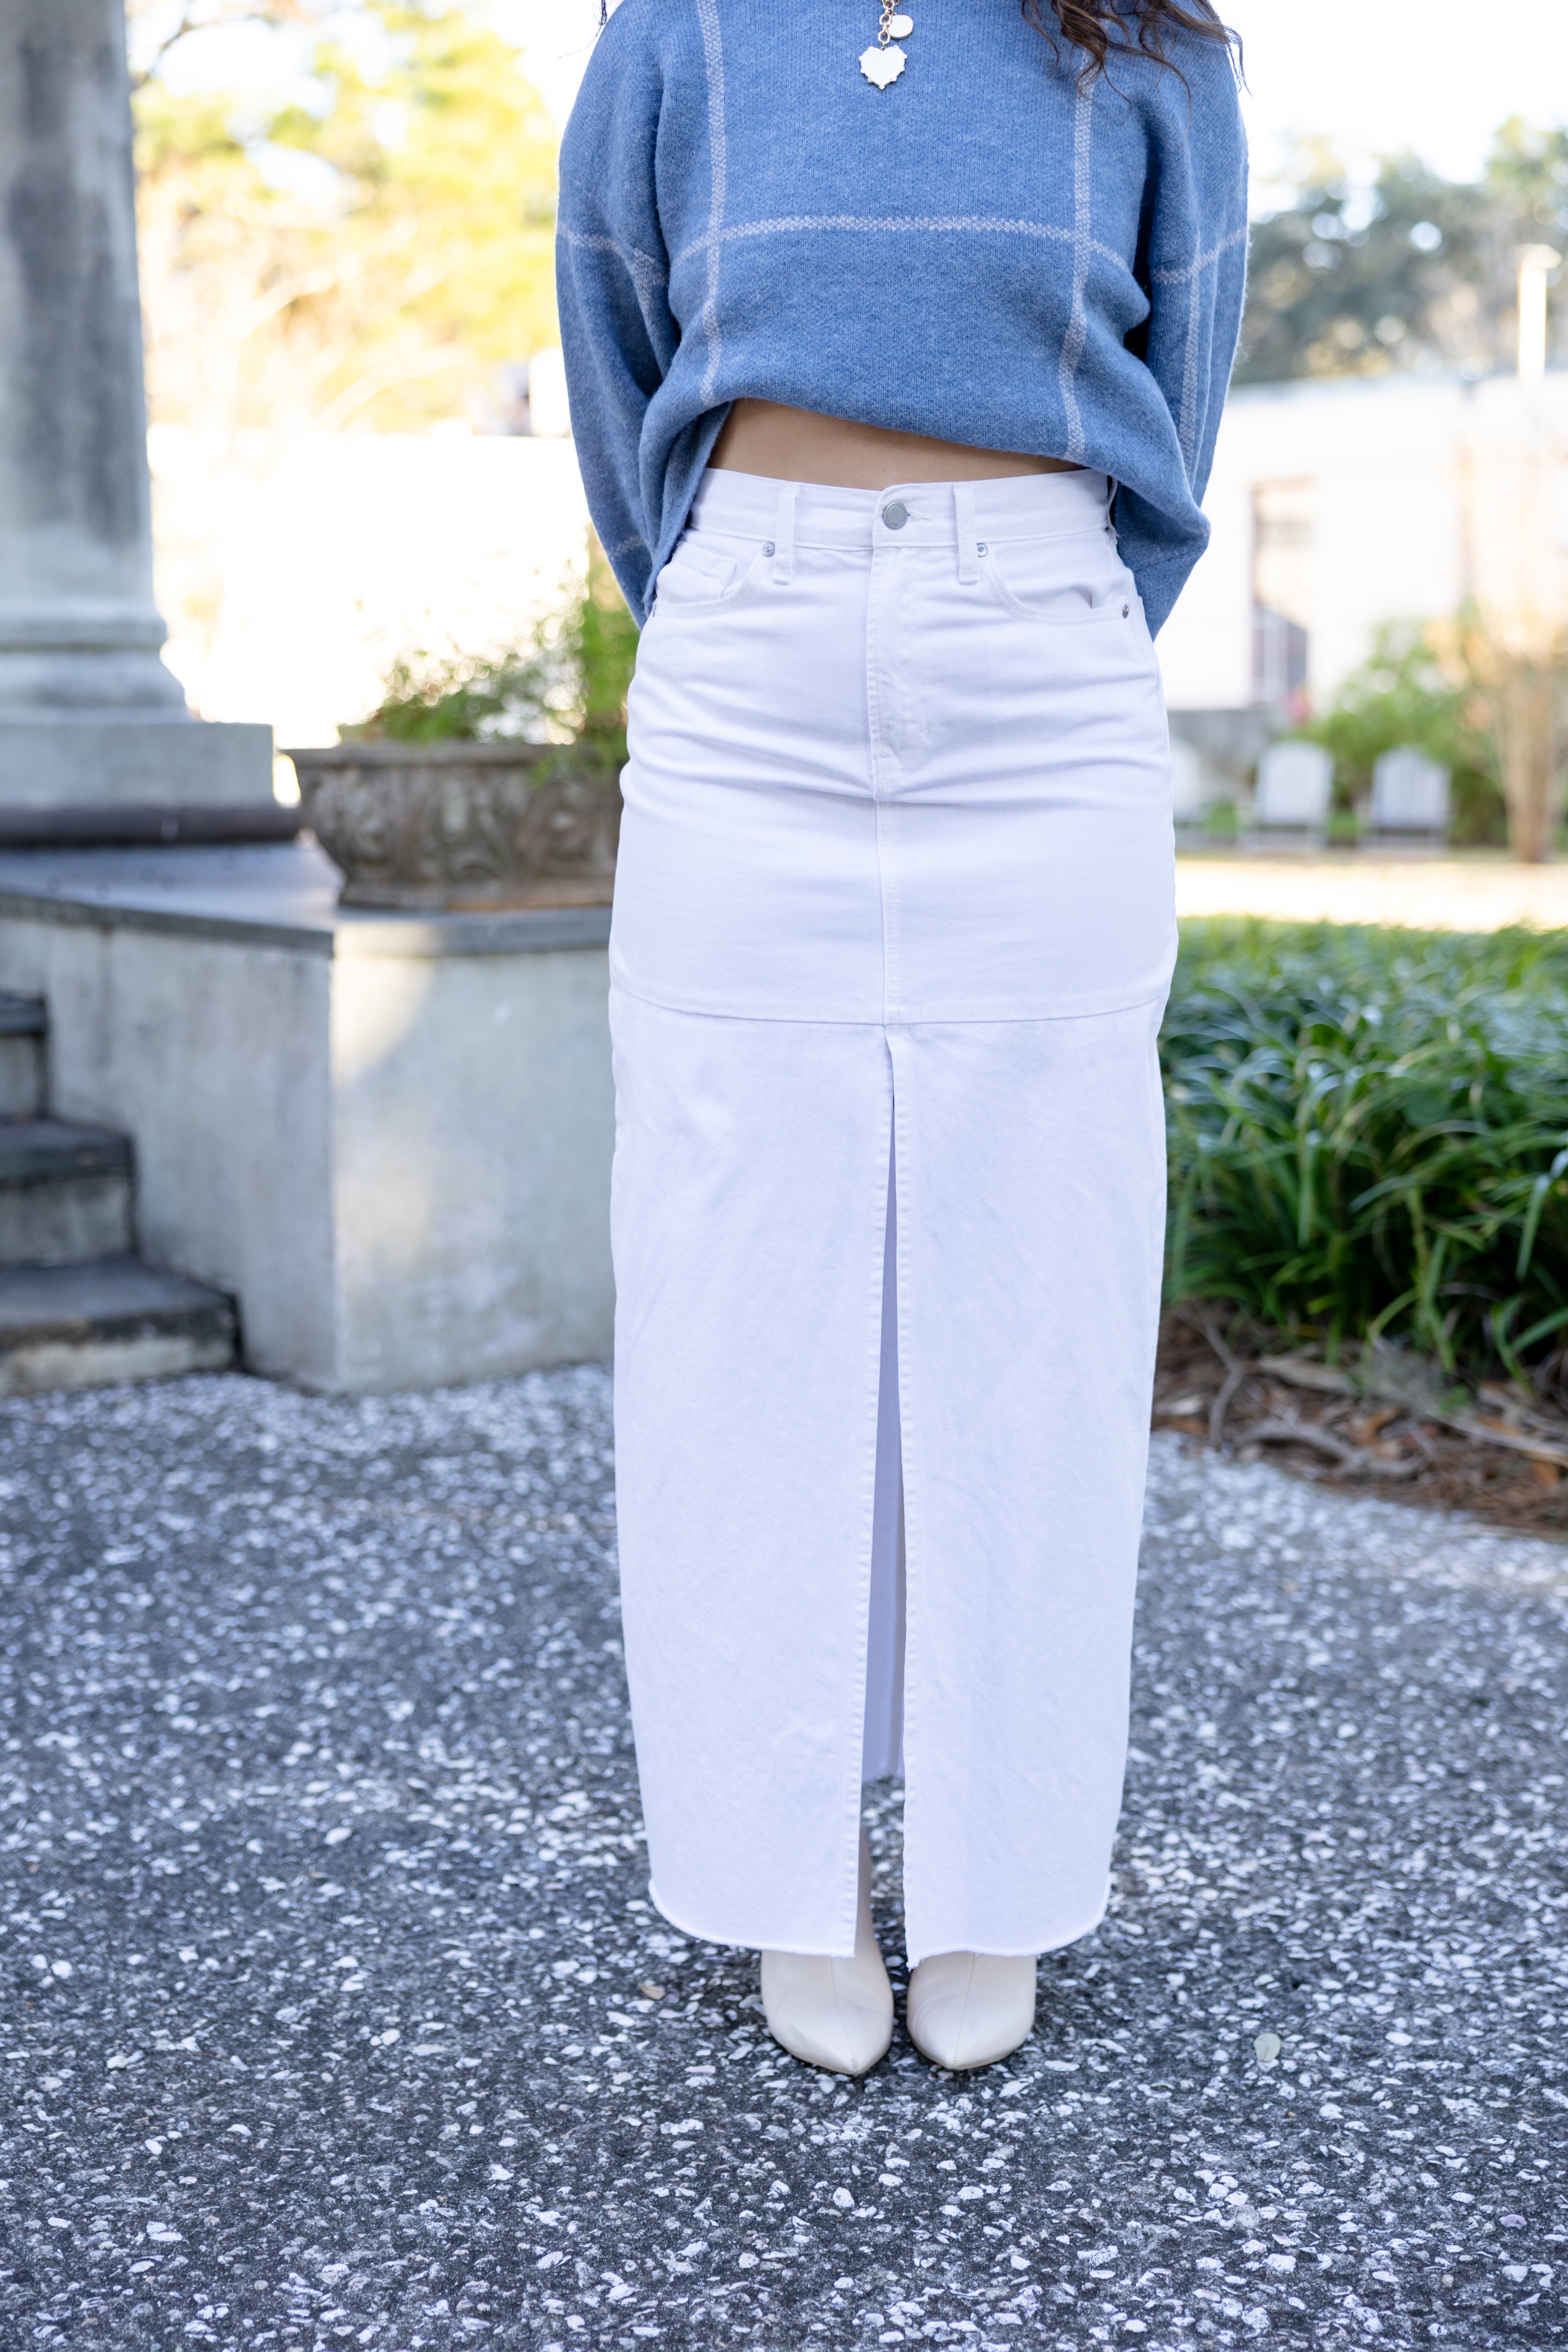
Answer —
(984, 252)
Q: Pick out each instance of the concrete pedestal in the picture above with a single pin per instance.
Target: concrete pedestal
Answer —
(389, 1140)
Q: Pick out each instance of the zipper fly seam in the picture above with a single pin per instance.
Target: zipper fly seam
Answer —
(883, 719)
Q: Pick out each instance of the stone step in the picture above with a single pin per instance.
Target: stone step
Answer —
(97, 1326)
(23, 1024)
(65, 1192)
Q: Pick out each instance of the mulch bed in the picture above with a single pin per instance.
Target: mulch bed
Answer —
(1374, 1420)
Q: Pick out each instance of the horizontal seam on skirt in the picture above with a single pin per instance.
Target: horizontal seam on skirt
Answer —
(930, 1020)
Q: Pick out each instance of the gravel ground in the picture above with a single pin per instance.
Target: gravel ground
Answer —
(335, 2012)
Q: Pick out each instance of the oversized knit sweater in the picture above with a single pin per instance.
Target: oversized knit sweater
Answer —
(988, 251)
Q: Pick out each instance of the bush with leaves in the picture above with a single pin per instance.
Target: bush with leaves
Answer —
(1412, 690)
(1369, 1134)
(567, 685)
(455, 698)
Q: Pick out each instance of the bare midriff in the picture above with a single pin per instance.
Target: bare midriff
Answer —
(793, 445)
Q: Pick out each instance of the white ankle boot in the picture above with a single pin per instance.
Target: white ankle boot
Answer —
(969, 2008)
(833, 2013)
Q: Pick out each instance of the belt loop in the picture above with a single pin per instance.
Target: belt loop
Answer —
(968, 549)
(783, 535)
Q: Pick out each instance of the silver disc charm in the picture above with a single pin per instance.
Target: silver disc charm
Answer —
(885, 62)
(883, 65)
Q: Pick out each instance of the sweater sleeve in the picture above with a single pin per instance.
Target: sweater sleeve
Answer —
(1196, 233)
(613, 280)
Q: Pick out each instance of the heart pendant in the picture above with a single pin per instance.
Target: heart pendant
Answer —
(883, 65)
(901, 28)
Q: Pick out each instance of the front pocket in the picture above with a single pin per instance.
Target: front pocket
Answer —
(1061, 583)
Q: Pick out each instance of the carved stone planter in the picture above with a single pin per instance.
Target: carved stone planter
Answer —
(465, 825)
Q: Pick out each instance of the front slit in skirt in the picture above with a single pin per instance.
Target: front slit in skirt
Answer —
(893, 932)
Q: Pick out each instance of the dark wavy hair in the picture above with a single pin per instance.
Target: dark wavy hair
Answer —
(1102, 29)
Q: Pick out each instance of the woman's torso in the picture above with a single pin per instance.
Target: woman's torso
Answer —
(989, 254)
(794, 445)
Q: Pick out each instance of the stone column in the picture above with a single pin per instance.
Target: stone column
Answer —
(90, 716)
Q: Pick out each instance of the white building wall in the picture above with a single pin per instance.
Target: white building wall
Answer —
(1205, 646)
(1425, 493)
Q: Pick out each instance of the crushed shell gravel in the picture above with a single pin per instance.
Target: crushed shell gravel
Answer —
(335, 2012)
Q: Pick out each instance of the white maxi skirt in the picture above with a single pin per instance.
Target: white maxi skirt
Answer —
(893, 932)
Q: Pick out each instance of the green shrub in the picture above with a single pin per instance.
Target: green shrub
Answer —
(452, 697)
(569, 683)
(1403, 695)
(1369, 1133)
(599, 640)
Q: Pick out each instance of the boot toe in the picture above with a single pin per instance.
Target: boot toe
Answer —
(969, 2008)
(816, 2016)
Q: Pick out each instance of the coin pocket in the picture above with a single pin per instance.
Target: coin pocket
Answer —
(700, 578)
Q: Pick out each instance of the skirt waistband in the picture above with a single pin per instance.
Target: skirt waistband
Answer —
(930, 514)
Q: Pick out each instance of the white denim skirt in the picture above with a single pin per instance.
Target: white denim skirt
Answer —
(894, 928)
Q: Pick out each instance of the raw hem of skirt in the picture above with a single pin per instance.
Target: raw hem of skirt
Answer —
(741, 1943)
(1053, 1943)
(1093, 1010)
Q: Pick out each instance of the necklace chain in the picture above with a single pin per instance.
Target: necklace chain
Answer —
(884, 62)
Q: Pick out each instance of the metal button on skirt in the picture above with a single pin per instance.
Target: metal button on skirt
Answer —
(894, 926)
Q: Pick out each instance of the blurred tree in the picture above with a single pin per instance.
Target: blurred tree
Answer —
(1515, 664)
(1420, 273)
(368, 251)
(158, 26)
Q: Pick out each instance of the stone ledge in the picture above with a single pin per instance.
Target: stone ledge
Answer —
(22, 1016)
(72, 758)
(156, 827)
(53, 1150)
(72, 1302)
(110, 1320)
(282, 896)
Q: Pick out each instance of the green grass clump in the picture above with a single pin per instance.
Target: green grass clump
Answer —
(1369, 1133)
